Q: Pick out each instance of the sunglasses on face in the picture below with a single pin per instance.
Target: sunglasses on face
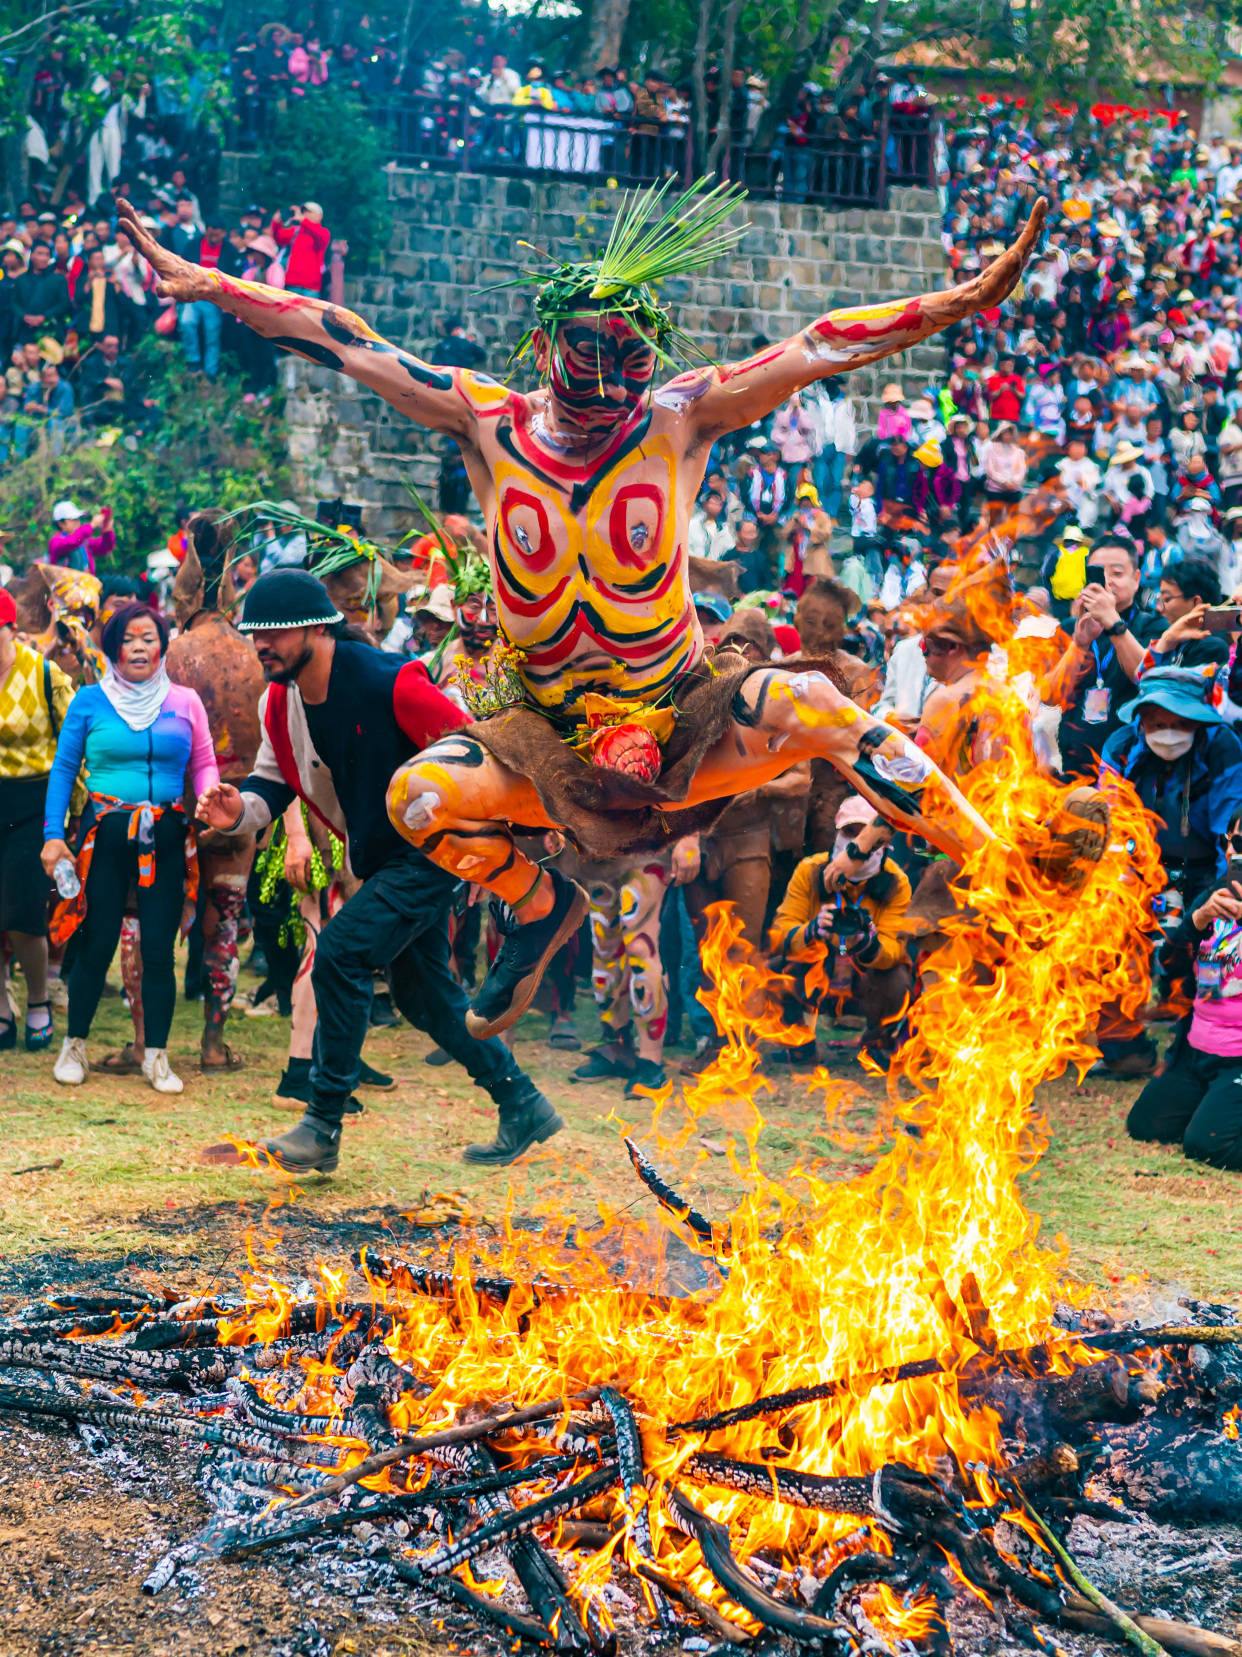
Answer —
(1234, 843)
(936, 646)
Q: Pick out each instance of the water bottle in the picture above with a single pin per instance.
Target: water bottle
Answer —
(66, 877)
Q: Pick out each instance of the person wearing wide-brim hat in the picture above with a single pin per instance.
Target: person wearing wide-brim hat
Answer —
(1185, 762)
(339, 718)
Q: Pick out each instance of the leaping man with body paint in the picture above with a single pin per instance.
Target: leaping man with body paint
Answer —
(612, 725)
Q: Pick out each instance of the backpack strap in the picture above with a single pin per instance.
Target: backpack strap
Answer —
(52, 715)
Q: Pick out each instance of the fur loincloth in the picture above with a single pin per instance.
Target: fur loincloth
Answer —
(609, 813)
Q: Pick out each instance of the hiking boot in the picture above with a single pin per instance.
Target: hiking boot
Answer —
(373, 1078)
(804, 1055)
(1080, 839)
(526, 1119)
(646, 1073)
(1127, 1067)
(313, 1147)
(72, 1067)
(514, 975)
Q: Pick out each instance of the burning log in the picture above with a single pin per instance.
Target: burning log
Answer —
(516, 1522)
(699, 1226)
(633, 1482)
(805, 1627)
(488, 1426)
(1104, 1391)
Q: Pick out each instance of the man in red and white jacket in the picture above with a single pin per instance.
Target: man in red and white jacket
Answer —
(308, 242)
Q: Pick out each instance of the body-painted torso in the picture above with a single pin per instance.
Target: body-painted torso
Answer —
(588, 556)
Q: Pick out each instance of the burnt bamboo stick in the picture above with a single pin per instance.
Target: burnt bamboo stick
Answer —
(673, 1203)
(634, 1483)
(517, 1521)
(466, 1432)
(915, 1369)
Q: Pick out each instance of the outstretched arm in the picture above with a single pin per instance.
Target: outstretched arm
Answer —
(719, 400)
(442, 398)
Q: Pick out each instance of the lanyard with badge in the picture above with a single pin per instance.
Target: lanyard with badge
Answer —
(1096, 702)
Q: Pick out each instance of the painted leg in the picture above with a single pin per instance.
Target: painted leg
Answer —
(131, 978)
(641, 898)
(609, 977)
(221, 916)
(782, 717)
(455, 803)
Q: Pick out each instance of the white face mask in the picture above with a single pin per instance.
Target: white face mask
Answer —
(1169, 744)
(863, 871)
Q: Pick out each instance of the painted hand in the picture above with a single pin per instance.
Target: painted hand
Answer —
(178, 278)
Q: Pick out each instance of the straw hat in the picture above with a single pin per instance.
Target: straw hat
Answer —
(1125, 452)
(892, 393)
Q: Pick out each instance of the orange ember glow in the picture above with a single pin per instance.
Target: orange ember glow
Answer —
(930, 1253)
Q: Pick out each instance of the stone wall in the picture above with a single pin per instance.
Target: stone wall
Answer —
(455, 236)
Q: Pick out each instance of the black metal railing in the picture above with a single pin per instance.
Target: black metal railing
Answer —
(451, 133)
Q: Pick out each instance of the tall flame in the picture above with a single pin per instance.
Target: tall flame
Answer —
(931, 1253)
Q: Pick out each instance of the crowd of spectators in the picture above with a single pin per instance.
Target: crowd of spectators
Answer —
(1092, 423)
(78, 306)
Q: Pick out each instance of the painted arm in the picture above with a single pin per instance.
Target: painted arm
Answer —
(439, 398)
(724, 399)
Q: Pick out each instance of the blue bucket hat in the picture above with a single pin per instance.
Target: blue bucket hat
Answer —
(1181, 690)
(716, 604)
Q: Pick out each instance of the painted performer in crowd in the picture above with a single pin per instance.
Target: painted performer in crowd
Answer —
(615, 728)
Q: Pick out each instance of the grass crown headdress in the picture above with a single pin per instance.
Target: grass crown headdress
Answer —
(643, 250)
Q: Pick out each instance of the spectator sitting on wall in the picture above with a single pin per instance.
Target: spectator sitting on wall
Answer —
(455, 348)
(308, 243)
(108, 387)
(500, 84)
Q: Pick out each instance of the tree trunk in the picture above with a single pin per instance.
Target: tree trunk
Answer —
(808, 49)
(605, 30)
(698, 81)
(866, 57)
(728, 43)
(13, 166)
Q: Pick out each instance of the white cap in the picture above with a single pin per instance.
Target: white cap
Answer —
(855, 809)
(63, 510)
(1198, 504)
(161, 561)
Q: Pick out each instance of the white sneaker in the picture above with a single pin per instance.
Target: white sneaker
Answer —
(71, 1068)
(159, 1073)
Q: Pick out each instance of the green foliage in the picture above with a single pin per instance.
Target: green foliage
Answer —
(211, 449)
(127, 42)
(325, 148)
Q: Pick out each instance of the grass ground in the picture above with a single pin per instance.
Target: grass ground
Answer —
(127, 1175)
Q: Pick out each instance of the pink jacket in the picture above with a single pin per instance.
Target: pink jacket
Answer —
(61, 548)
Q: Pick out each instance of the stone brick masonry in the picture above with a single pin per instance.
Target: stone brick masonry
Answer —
(455, 236)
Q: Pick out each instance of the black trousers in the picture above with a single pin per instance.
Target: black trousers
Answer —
(1198, 1101)
(397, 922)
(114, 865)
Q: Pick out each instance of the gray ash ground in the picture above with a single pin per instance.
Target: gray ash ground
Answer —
(84, 1516)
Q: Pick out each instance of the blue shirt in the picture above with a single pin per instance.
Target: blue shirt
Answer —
(129, 765)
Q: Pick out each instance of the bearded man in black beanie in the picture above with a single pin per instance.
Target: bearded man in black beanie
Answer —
(338, 719)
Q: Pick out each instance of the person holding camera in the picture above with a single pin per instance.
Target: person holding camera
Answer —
(307, 240)
(854, 912)
(1189, 589)
(1198, 1099)
(1111, 632)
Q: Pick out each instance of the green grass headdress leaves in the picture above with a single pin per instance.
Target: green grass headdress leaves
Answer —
(646, 247)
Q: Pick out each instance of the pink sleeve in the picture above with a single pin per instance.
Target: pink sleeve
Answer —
(204, 773)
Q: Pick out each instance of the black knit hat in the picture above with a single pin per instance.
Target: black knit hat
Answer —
(287, 598)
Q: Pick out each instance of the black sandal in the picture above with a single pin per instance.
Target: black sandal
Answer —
(8, 1034)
